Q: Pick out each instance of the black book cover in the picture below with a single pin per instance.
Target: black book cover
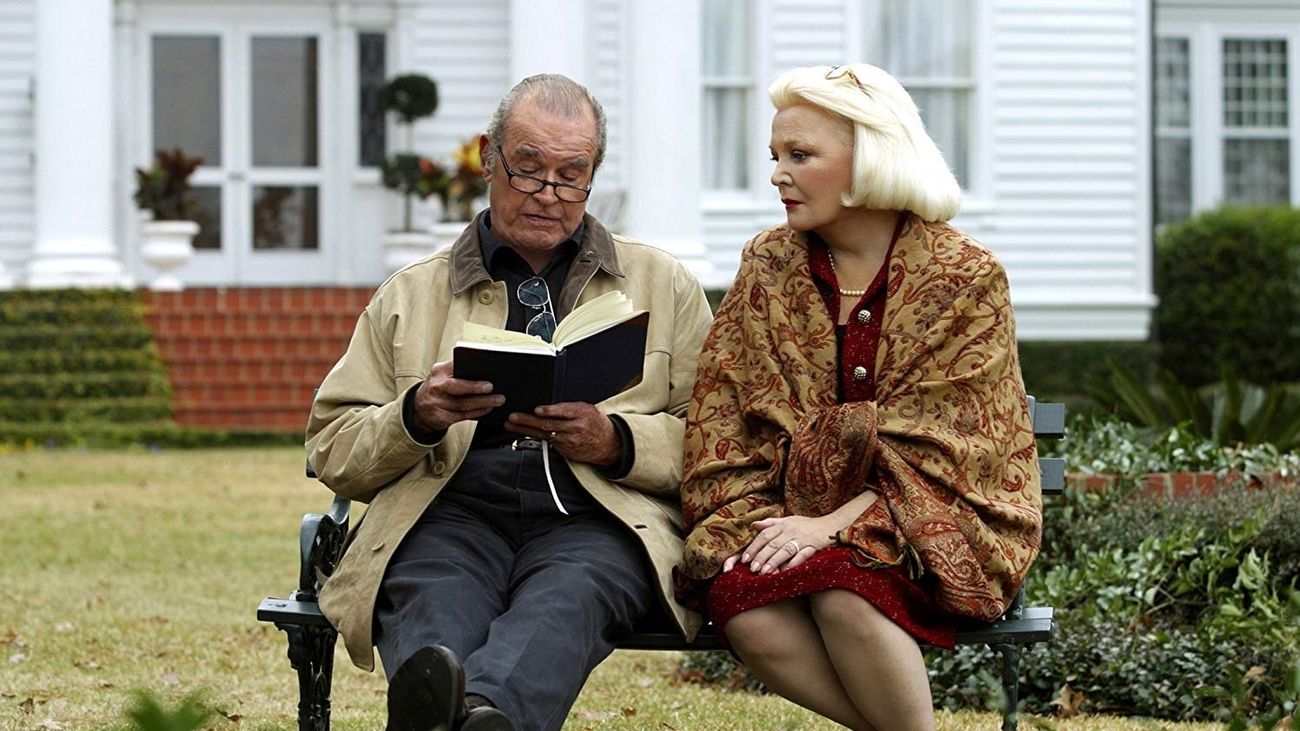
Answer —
(591, 369)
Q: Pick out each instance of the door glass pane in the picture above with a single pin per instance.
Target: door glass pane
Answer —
(1173, 179)
(285, 217)
(186, 77)
(208, 217)
(284, 123)
(371, 73)
(1256, 172)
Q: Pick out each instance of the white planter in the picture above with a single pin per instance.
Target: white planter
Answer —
(165, 246)
(403, 247)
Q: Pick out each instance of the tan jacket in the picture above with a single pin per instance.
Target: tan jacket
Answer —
(360, 448)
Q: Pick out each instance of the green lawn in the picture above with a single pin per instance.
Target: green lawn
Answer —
(137, 570)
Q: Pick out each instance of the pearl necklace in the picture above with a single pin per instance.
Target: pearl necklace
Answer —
(844, 292)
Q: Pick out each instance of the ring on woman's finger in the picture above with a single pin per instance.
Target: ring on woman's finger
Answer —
(793, 543)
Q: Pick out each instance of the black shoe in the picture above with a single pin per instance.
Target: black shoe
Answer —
(484, 718)
(427, 692)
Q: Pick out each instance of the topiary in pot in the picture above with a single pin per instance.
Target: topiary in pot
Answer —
(163, 190)
(410, 97)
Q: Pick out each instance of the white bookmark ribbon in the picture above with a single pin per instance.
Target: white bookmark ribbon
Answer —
(546, 465)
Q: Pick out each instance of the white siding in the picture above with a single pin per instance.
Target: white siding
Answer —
(607, 74)
(465, 47)
(17, 68)
(1068, 212)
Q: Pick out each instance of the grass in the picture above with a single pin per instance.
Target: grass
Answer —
(134, 570)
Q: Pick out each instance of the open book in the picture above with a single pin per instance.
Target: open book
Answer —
(597, 352)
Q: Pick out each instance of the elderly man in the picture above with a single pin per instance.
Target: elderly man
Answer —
(464, 553)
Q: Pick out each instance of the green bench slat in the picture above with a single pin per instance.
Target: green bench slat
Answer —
(1049, 420)
(1053, 469)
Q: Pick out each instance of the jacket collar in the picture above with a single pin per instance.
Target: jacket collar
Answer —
(467, 268)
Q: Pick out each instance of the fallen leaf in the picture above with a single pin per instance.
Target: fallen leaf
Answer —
(8, 637)
(595, 715)
(1067, 701)
(16, 658)
(64, 627)
(1254, 672)
(106, 685)
(28, 706)
(628, 712)
(50, 724)
(171, 679)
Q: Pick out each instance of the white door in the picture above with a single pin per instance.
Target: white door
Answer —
(248, 95)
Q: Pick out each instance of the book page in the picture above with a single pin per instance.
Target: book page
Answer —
(474, 333)
(593, 316)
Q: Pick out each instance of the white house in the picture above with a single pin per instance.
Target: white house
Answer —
(1043, 107)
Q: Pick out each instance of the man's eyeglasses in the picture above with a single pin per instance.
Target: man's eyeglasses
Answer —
(839, 72)
(534, 293)
(529, 184)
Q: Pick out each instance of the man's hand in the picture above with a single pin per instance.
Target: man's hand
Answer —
(441, 400)
(577, 430)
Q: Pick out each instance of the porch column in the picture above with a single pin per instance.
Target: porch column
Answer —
(548, 36)
(74, 152)
(663, 203)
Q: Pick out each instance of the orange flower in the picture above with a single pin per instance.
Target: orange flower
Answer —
(467, 157)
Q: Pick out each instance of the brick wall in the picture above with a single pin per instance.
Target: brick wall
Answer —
(248, 358)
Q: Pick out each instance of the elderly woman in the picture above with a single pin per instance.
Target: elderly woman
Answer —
(860, 465)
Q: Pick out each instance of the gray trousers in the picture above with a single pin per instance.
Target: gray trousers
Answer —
(530, 599)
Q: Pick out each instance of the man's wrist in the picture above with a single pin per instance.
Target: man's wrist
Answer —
(411, 420)
(625, 450)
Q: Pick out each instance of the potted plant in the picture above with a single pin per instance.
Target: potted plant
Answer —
(411, 97)
(163, 193)
(466, 185)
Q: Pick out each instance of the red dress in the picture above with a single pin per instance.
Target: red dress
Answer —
(890, 590)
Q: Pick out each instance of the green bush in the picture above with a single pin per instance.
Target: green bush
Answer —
(1095, 445)
(1230, 296)
(78, 366)
(1060, 371)
(1227, 413)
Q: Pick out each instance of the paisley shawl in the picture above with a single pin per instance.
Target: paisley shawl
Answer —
(947, 444)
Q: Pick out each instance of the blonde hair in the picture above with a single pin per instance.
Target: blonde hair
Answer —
(896, 166)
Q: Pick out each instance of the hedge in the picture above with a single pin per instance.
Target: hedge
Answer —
(79, 366)
(1229, 289)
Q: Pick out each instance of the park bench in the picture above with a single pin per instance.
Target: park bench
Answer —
(321, 541)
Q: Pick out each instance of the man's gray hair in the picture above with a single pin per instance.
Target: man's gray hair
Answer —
(556, 94)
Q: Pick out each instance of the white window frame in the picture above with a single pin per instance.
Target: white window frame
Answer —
(1188, 132)
(756, 98)
(977, 196)
(1208, 133)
